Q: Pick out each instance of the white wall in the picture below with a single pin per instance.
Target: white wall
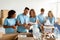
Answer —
(19, 5)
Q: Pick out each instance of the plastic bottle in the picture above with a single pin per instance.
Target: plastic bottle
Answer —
(36, 33)
(56, 32)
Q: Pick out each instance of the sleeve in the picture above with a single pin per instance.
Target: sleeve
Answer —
(5, 22)
(27, 21)
(53, 20)
(37, 18)
(18, 18)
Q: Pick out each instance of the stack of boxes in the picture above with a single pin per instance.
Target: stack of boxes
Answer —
(3, 15)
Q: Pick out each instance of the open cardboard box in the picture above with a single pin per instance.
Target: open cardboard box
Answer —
(51, 39)
(8, 36)
(15, 35)
(25, 36)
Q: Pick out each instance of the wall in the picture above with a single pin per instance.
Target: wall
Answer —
(19, 5)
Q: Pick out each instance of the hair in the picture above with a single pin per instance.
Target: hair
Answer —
(33, 12)
(26, 8)
(42, 9)
(50, 13)
(10, 13)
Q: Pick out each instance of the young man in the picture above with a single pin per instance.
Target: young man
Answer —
(41, 16)
(23, 21)
(41, 19)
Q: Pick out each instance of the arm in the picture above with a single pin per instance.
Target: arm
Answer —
(19, 21)
(5, 26)
(53, 20)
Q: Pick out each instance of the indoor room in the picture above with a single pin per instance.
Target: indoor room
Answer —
(29, 19)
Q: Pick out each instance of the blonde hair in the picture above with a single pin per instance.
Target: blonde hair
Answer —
(50, 12)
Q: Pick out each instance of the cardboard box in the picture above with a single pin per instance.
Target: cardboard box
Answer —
(8, 36)
(25, 36)
(48, 29)
(4, 13)
(15, 35)
(2, 21)
(50, 39)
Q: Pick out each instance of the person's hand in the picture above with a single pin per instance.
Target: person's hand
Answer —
(14, 27)
(27, 26)
(37, 22)
(41, 24)
(42, 27)
(30, 24)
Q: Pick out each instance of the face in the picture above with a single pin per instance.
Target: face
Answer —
(50, 15)
(14, 15)
(32, 14)
(26, 11)
(42, 12)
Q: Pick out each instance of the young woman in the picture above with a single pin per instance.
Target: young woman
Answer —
(10, 22)
(32, 18)
(51, 18)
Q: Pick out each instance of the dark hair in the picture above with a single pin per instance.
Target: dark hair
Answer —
(42, 9)
(33, 12)
(26, 8)
(10, 13)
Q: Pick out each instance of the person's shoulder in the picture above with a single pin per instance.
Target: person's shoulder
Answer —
(53, 17)
(19, 15)
(27, 16)
(6, 19)
(38, 15)
(15, 18)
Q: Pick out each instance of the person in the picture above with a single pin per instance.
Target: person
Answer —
(32, 17)
(51, 18)
(10, 22)
(41, 18)
(57, 24)
(23, 21)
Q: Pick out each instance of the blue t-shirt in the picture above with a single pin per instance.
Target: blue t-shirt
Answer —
(52, 20)
(9, 22)
(22, 19)
(41, 18)
(32, 19)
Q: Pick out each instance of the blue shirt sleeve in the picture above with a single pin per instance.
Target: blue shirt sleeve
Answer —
(18, 18)
(37, 18)
(53, 20)
(5, 22)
